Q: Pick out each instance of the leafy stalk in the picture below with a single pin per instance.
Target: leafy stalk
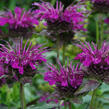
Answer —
(22, 97)
(57, 48)
(65, 105)
(70, 105)
(92, 99)
(97, 33)
(64, 46)
(102, 31)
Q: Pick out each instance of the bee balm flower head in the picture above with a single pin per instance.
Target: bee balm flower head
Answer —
(20, 23)
(66, 79)
(21, 61)
(95, 60)
(60, 20)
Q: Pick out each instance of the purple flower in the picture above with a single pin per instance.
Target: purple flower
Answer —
(20, 21)
(96, 61)
(66, 79)
(70, 16)
(21, 60)
(60, 20)
(106, 20)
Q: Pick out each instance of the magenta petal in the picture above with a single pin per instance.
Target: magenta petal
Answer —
(87, 61)
(15, 65)
(80, 56)
(32, 66)
(52, 82)
(64, 83)
(107, 60)
(106, 20)
(97, 60)
(35, 22)
(3, 21)
(21, 70)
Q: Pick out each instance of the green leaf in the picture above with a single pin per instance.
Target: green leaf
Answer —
(44, 106)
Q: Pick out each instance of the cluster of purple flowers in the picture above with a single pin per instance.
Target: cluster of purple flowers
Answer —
(67, 79)
(17, 62)
(95, 60)
(20, 61)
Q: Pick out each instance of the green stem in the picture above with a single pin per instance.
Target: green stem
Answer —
(57, 48)
(64, 46)
(102, 31)
(65, 105)
(22, 97)
(70, 105)
(59, 105)
(97, 33)
(92, 100)
(8, 107)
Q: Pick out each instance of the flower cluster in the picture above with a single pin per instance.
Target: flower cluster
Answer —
(95, 60)
(20, 61)
(19, 22)
(60, 20)
(66, 79)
